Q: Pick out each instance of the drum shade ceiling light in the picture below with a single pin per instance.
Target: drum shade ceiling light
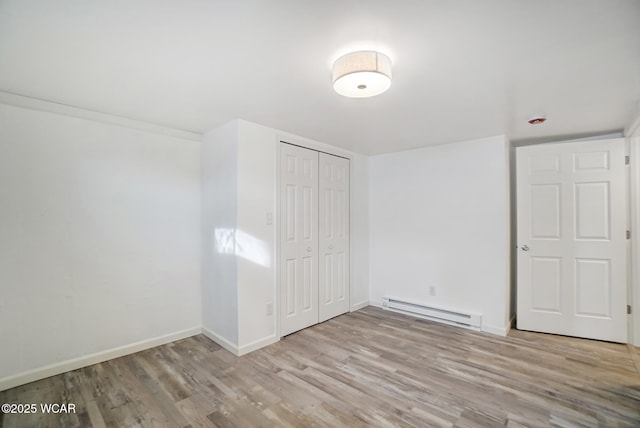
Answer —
(362, 74)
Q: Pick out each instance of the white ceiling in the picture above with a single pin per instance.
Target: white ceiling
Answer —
(462, 69)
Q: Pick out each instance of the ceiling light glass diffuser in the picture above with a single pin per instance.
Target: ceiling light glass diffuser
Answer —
(362, 74)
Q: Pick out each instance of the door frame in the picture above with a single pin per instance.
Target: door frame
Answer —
(632, 134)
(634, 226)
(323, 148)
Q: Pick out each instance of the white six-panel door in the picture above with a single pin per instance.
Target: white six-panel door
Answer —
(298, 238)
(334, 236)
(572, 239)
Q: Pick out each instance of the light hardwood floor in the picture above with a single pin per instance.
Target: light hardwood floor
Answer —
(367, 368)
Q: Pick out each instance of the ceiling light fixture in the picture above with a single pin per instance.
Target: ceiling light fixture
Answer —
(362, 74)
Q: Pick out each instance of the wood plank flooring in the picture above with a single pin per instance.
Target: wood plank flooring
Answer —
(367, 368)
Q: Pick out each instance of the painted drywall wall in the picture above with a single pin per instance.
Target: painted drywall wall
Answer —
(219, 227)
(257, 198)
(439, 217)
(256, 249)
(359, 231)
(263, 142)
(99, 239)
(248, 152)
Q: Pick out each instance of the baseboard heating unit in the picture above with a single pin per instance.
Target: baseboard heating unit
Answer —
(446, 316)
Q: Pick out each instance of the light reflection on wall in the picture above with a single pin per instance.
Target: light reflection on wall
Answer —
(242, 244)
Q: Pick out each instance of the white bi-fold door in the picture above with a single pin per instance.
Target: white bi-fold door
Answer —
(334, 236)
(572, 263)
(298, 238)
(314, 237)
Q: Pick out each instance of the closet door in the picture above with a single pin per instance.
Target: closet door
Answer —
(334, 236)
(298, 238)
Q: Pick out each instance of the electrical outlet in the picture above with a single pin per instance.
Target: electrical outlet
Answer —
(432, 290)
(269, 308)
(268, 220)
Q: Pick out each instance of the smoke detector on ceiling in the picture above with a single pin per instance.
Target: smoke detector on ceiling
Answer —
(537, 120)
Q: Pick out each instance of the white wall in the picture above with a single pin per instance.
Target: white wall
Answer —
(99, 241)
(439, 216)
(359, 231)
(255, 246)
(257, 196)
(219, 222)
(101, 238)
(239, 277)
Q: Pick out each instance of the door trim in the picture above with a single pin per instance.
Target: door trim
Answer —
(634, 226)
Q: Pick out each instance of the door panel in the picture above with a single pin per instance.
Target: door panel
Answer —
(591, 161)
(545, 284)
(334, 236)
(289, 283)
(571, 237)
(545, 211)
(299, 240)
(592, 211)
(593, 287)
(309, 285)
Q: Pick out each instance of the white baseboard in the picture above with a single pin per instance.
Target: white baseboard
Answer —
(358, 306)
(499, 331)
(239, 350)
(512, 323)
(222, 341)
(257, 344)
(95, 358)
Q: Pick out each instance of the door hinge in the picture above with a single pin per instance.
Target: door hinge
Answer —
(628, 309)
(627, 159)
(628, 234)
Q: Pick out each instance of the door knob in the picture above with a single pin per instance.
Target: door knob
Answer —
(331, 247)
(308, 249)
(525, 248)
